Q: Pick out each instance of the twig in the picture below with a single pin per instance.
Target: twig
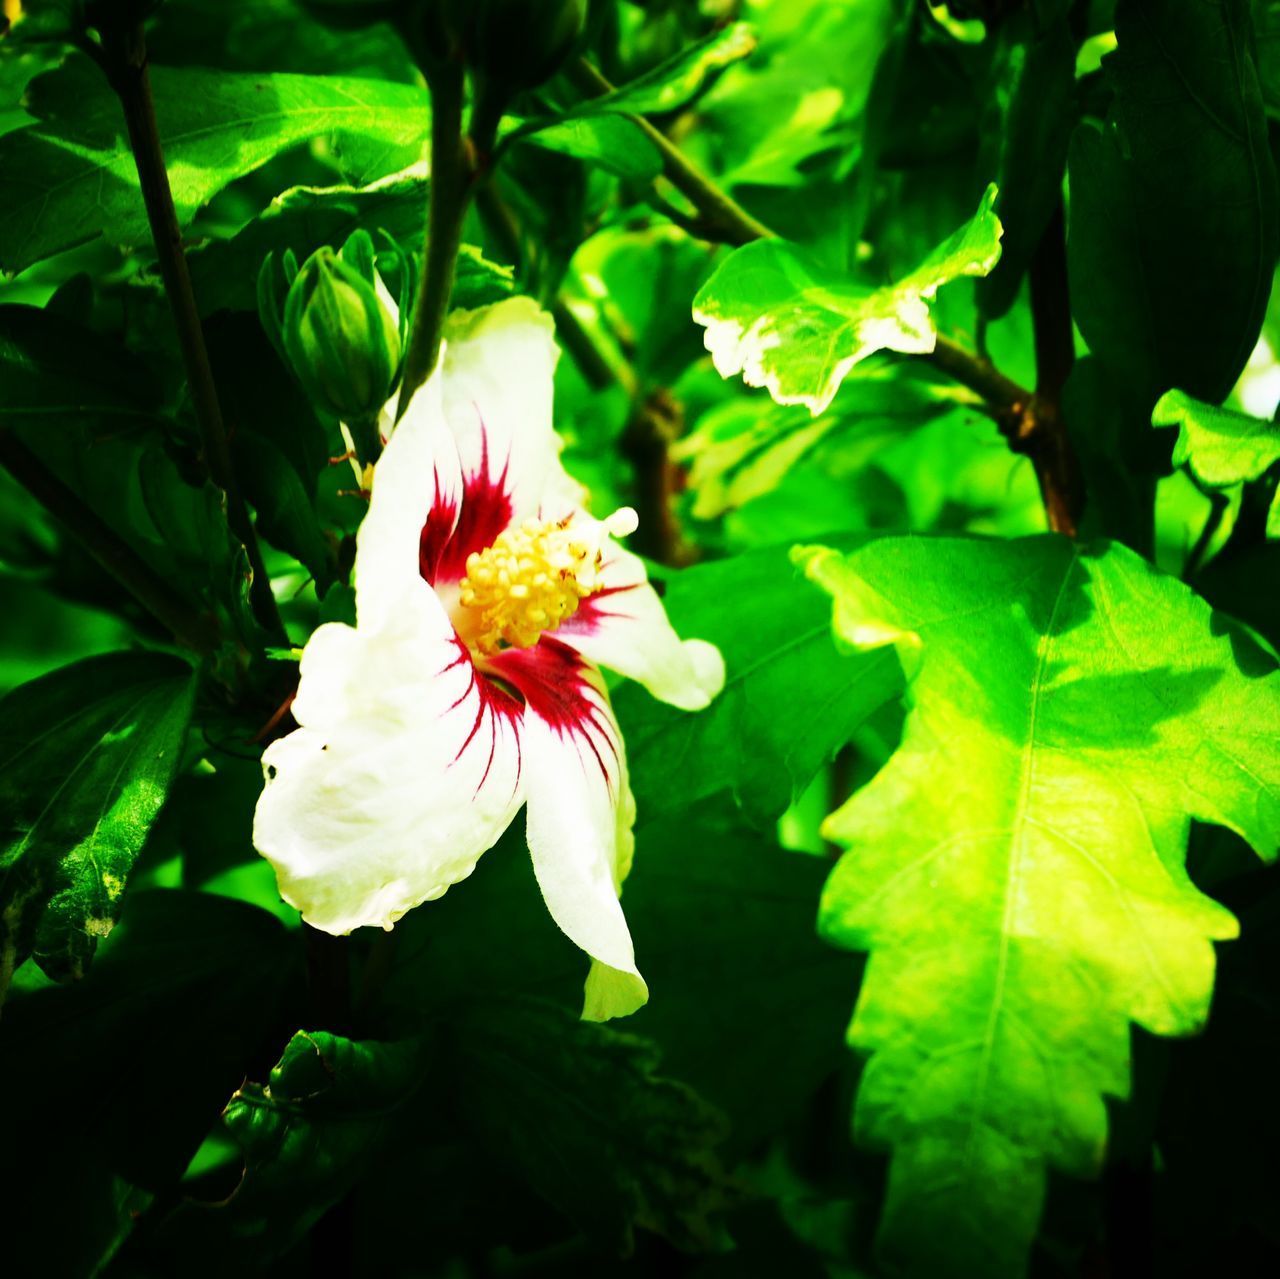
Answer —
(189, 627)
(452, 176)
(123, 58)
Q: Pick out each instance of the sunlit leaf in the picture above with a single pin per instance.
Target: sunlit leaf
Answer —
(71, 177)
(1016, 869)
(787, 322)
(1222, 448)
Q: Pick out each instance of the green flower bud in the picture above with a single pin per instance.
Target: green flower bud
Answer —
(339, 338)
(518, 44)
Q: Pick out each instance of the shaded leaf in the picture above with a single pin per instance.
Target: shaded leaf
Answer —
(1016, 869)
(787, 322)
(1174, 203)
(163, 1026)
(578, 1110)
(788, 704)
(611, 142)
(87, 755)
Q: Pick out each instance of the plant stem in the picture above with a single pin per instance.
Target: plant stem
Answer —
(123, 57)
(723, 218)
(184, 623)
(452, 176)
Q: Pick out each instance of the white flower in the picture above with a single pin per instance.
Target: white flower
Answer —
(469, 687)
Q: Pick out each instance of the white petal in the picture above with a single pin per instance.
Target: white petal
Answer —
(417, 478)
(405, 770)
(579, 827)
(498, 372)
(625, 628)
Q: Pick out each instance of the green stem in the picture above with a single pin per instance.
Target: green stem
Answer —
(723, 217)
(123, 58)
(452, 177)
(184, 623)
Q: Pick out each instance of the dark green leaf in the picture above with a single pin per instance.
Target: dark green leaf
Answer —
(123, 1073)
(86, 758)
(577, 1110)
(1035, 107)
(1173, 202)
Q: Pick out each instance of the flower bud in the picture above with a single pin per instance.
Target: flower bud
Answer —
(340, 339)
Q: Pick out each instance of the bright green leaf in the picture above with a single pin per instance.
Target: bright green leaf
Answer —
(87, 755)
(1221, 447)
(71, 177)
(788, 704)
(787, 322)
(1016, 869)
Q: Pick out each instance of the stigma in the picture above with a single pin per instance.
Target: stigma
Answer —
(533, 578)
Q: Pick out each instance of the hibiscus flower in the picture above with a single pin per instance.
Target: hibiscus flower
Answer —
(487, 599)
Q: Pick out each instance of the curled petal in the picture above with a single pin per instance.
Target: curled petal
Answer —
(580, 816)
(624, 627)
(406, 769)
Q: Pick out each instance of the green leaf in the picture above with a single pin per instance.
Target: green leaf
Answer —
(611, 142)
(788, 703)
(18, 67)
(125, 1072)
(579, 1111)
(740, 451)
(676, 82)
(1150, 256)
(303, 218)
(1221, 448)
(1016, 869)
(71, 177)
(87, 755)
(53, 371)
(329, 1108)
(286, 514)
(1035, 101)
(787, 322)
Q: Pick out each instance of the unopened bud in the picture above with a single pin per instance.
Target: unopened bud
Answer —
(340, 339)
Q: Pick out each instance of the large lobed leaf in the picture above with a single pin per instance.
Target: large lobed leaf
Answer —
(87, 755)
(71, 176)
(787, 322)
(1017, 869)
